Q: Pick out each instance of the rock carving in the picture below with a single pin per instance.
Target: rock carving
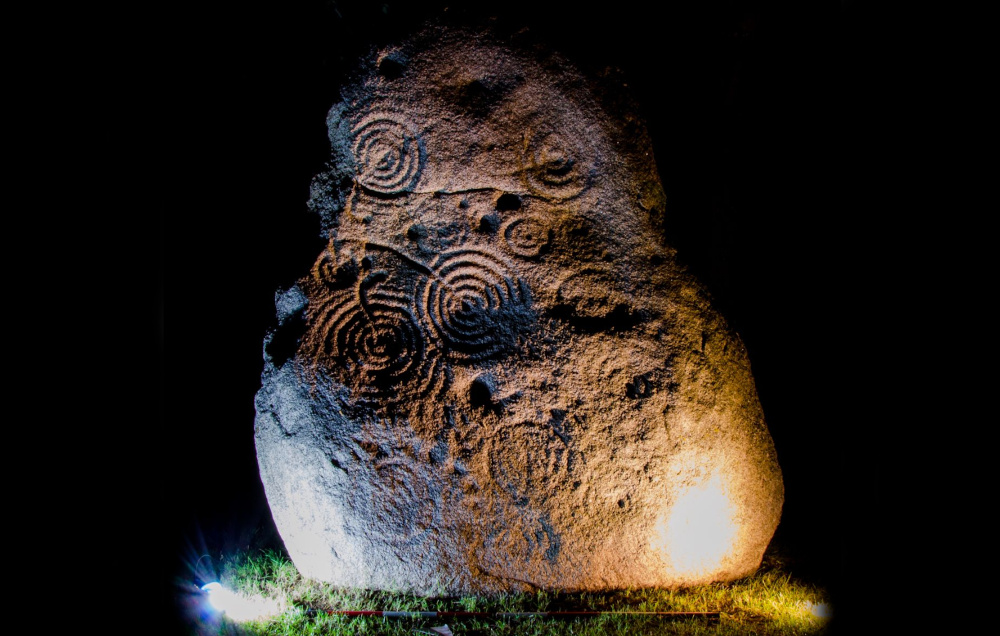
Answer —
(496, 376)
(388, 154)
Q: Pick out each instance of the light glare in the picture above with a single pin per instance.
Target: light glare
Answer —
(699, 530)
(240, 607)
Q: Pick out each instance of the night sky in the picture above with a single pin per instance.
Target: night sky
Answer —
(758, 116)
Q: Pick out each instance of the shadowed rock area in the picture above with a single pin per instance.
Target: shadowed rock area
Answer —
(496, 377)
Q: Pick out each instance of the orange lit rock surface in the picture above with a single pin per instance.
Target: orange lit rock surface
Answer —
(496, 377)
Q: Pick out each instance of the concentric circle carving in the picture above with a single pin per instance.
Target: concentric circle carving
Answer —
(527, 237)
(387, 154)
(475, 304)
(555, 165)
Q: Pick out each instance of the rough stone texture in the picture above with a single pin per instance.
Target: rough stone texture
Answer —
(496, 377)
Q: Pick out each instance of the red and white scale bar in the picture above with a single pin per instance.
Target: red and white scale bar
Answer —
(390, 614)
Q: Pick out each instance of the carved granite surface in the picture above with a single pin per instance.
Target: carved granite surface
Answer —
(496, 377)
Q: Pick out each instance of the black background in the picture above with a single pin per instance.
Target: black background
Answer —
(760, 114)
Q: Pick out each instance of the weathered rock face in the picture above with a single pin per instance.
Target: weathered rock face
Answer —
(496, 377)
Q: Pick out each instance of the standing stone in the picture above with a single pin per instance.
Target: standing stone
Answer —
(496, 376)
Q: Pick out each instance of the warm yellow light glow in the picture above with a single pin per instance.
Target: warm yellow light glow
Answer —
(698, 530)
(240, 607)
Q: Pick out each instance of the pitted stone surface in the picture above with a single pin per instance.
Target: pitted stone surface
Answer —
(496, 377)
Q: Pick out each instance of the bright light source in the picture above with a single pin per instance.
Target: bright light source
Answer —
(238, 606)
(699, 530)
(820, 610)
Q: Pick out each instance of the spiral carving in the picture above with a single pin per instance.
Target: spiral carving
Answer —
(555, 165)
(378, 345)
(475, 304)
(327, 272)
(387, 153)
(527, 236)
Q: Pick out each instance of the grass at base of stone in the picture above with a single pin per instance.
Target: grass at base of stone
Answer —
(769, 602)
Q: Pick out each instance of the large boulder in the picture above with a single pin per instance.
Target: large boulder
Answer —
(496, 377)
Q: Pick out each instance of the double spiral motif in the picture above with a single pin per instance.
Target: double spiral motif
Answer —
(475, 304)
(388, 338)
(387, 154)
(379, 344)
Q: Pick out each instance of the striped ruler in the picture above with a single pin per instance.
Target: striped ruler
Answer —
(391, 614)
